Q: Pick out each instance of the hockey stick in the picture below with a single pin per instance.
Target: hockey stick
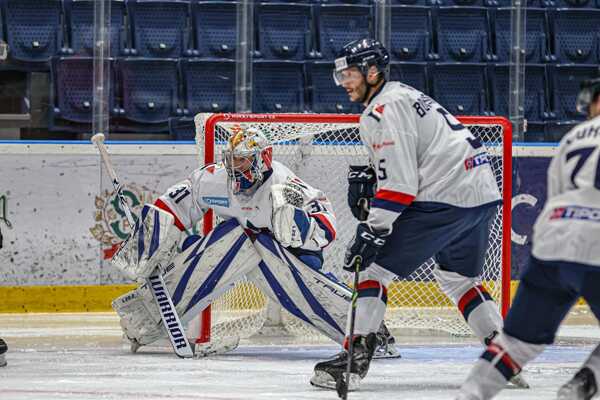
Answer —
(155, 281)
(341, 386)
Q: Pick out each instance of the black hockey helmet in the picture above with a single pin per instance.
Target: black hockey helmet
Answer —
(361, 53)
(588, 92)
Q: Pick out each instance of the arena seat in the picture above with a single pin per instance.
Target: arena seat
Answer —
(466, 95)
(284, 31)
(150, 89)
(278, 86)
(215, 28)
(536, 36)
(536, 93)
(208, 85)
(79, 20)
(410, 38)
(33, 31)
(340, 24)
(71, 99)
(462, 34)
(159, 28)
(576, 35)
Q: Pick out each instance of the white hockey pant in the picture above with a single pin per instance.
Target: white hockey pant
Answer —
(194, 277)
(318, 300)
(474, 302)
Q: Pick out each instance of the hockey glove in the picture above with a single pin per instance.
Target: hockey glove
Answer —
(366, 244)
(361, 185)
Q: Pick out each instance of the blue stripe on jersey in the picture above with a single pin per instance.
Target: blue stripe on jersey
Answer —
(387, 205)
(217, 273)
(284, 298)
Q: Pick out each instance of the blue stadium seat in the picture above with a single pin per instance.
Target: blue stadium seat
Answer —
(340, 24)
(414, 2)
(460, 88)
(341, 1)
(569, 3)
(411, 74)
(284, 31)
(536, 37)
(80, 27)
(150, 89)
(209, 85)
(215, 28)
(565, 81)
(576, 35)
(462, 34)
(278, 86)
(72, 92)
(508, 3)
(326, 96)
(33, 30)
(159, 28)
(182, 128)
(536, 101)
(410, 38)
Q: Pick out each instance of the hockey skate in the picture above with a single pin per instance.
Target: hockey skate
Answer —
(581, 387)
(328, 373)
(386, 344)
(3, 350)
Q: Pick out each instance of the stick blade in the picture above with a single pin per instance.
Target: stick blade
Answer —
(97, 138)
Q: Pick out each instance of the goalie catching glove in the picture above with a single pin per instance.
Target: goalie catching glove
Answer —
(366, 244)
(291, 224)
(361, 185)
(151, 245)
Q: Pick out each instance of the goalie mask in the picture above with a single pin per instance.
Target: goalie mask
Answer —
(247, 159)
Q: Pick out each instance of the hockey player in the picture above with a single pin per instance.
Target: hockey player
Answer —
(432, 193)
(274, 229)
(564, 265)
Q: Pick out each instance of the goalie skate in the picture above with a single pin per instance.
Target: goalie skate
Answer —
(386, 344)
(328, 373)
(581, 387)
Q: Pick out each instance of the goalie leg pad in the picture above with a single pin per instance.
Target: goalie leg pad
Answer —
(193, 278)
(315, 298)
(474, 302)
(152, 244)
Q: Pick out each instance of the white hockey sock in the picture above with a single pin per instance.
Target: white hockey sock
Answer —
(502, 360)
(370, 307)
(474, 302)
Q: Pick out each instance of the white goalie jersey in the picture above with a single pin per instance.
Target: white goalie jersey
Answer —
(208, 188)
(568, 228)
(421, 153)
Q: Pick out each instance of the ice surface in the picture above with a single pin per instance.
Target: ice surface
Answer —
(82, 356)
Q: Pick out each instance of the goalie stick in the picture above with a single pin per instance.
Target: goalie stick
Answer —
(155, 281)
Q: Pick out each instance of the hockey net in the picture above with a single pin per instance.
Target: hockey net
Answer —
(319, 148)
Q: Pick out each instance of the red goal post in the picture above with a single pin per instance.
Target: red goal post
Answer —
(495, 133)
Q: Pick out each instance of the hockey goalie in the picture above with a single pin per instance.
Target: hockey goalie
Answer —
(274, 230)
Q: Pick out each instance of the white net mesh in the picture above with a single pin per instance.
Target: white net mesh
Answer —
(319, 150)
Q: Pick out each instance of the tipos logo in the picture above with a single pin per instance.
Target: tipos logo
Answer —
(111, 226)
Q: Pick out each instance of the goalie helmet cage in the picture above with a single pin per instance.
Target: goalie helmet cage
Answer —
(319, 148)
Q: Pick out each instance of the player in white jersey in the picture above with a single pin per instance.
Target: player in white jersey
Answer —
(274, 229)
(564, 265)
(432, 193)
